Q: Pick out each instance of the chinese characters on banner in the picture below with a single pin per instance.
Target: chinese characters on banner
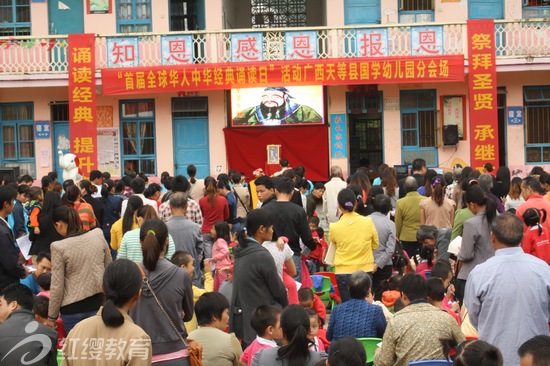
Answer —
(482, 88)
(372, 42)
(347, 71)
(177, 50)
(247, 47)
(123, 52)
(82, 100)
(301, 45)
(426, 41)
(338, 135)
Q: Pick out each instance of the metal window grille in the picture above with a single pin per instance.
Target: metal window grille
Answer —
(278, 13)
(411, 5)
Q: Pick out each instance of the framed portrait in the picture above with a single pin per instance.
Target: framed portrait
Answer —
(273, 154)
(99, 6)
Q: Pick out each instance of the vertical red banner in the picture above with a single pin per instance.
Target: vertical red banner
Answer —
(82, 101)
(482, 90)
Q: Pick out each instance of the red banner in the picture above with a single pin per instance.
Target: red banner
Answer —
(482, 87)
(82, 101)
(348, 71)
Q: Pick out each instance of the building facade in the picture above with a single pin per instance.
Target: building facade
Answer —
(149, 117)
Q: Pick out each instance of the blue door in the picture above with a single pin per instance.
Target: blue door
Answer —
(191, 145)
(66, 16)
(61, 141)
(361, 12)
(485, 9)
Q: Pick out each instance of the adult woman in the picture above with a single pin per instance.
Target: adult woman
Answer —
(88, 189)
(219, 348)
(426, 189)
(438, 210)
(294, 352)
(48, 234)
(197, 185)
(125, 223)
(456, 195)
(362, 180)
(501, 184)
(122, 285)
(78, 265)
(72, 198)
(153, 193)
(355, 238)
(347, 351)
(514, 199)
(111, 207)
(476, 245)
(253, 262)
(130, 246)
(360, 207)
(172, 287)
(214, 208)
(389, 183)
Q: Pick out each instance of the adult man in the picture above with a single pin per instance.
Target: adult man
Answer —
(138, 187)
(419, 170)
(96, 177)
(508, 296)
(418, 331)
(252, 186)
(284, 166)
(532, 192)
(386, 243)
(535, 352)
(243, 201)
(330, 196)
(224, 189)
(265, 191)
(356, 317)
(10, 270)
(180, 184)
(21, 337)
(42, 264)
(407, 216)
(290, 220)
(187, 234)
(276, 108)
(315, 198)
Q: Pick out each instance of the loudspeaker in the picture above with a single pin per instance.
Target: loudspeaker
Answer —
(9, 174)
(450, 135)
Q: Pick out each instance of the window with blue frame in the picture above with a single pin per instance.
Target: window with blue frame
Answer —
(133, 16)
(15, 18)
(536, 101)
(186, 15)
(416, 11)
(419, 126)
(536, 9)
(137, 122)
(17, 134)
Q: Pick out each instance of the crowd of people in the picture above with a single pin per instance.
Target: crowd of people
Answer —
(452, 266)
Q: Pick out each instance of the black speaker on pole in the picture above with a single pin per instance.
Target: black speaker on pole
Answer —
(450, 135)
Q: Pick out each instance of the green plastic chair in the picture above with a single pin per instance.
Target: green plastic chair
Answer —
(324, 294)
(59, 357)
(370, 345)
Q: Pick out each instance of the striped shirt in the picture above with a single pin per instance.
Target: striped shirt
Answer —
(130, 247)
(86, 214)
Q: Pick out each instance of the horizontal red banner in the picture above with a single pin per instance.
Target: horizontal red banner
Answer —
(349, 71)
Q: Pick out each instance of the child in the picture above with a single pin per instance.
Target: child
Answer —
(220, 251)
(314, 325)
(40, 310)
(537, 238)
(424, 260)
(265, 321)
(391, 291)
(185, 260)
(44, 282)
(36, 197)
(309, 300)
(436, 295)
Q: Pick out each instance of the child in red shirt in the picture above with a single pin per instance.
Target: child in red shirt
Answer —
(265, 321)
(309, 300)
(318, 234)
(537, 238)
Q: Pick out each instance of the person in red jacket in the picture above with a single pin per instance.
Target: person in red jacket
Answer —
(309, 300)
(537, 238)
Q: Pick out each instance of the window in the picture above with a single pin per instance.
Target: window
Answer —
(416, 11)
(419, 126)
(137, 121)
(183, 15)
(15, 18)
(133, 16)
(278, 13)
(536, 9)
(18, 136)
(537, 128)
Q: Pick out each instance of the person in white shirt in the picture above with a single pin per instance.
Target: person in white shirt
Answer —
(138, 187)
(96, 177)
(330, 197)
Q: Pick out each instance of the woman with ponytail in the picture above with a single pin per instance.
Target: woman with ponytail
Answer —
(171, 287)
(122, 287)
(438, 211)
(476, 245)
(111, 207)
(294, 352)
(126, 223)
(78, 265)
(255, 278)
(355, 238)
